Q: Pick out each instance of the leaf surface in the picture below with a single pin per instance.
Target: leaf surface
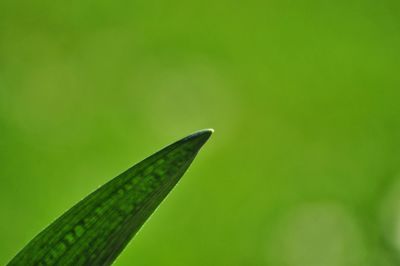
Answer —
(97, 229)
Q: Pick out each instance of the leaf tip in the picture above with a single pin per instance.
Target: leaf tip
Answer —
(200, 137)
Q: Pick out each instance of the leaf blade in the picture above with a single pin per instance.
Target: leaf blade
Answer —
(97, 229)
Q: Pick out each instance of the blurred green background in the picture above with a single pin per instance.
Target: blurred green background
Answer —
(303, 169)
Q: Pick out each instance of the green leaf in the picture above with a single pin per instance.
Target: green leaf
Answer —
(97, 229)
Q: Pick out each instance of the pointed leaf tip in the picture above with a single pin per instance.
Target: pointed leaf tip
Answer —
(200, 136)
